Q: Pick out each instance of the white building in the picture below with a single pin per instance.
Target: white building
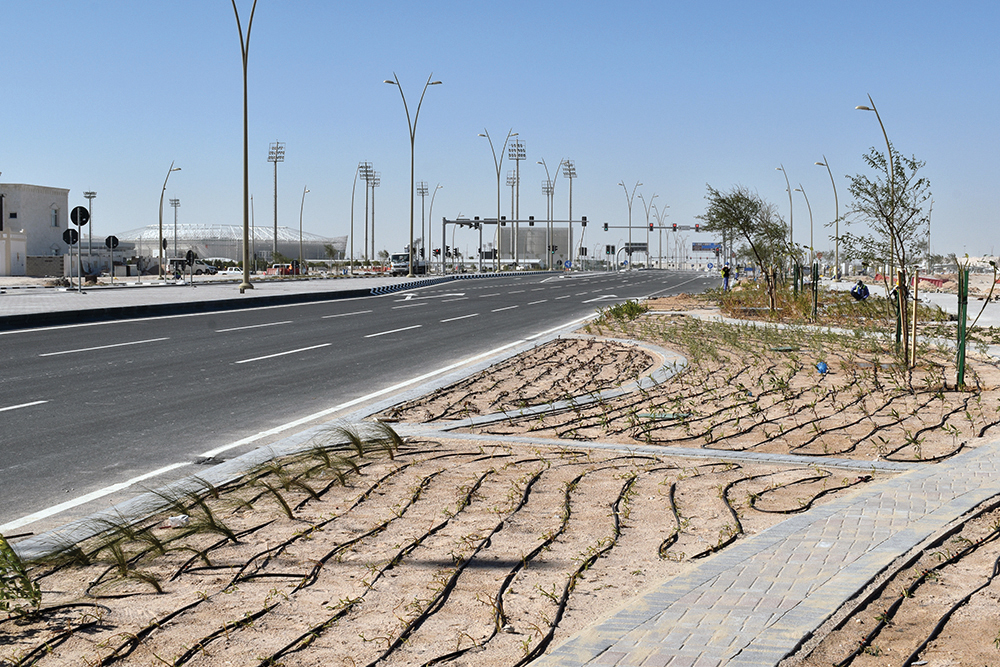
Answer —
(32, 221)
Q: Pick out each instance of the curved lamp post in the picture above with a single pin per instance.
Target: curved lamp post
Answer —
(244, 48)
(660, 215)
(551, 212)
(891, 172)
(811, 247)
(788, 189)
(647, 207)
(160, 243)
(836, 220)
(629, 200)
(430, 224)
(498, 163)
(301, 208)
(413, 133)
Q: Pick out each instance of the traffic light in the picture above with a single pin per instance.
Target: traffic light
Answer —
(447, 251)
(697, 227)
(552, 249)
(605, 226)
(607, 249)
(437, 252)
(531, 221)
(675, 226)
(583, 221)
(650, 226)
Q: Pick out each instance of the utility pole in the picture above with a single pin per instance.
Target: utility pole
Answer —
(516, 153)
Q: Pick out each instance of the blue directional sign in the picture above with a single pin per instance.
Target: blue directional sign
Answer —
(567, 264)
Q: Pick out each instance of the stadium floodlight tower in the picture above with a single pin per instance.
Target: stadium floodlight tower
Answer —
(276, 154)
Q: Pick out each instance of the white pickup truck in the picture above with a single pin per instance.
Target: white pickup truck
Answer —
(400, 265)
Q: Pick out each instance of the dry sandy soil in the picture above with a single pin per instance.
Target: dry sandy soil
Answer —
(487, 540)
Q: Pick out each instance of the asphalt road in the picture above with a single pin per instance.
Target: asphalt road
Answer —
(85, 407)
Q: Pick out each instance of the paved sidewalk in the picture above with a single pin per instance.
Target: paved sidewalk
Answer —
(756, 602)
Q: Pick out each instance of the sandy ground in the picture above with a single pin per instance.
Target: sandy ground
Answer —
(470, 547)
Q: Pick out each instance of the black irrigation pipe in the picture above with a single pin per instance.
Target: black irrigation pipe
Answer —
(545, 640)
(724, 494)
(313, 633)
(861, 479)
(672, 538)
(933, 459)
(948, 614)
(890, 611)
(45, 647)
(201, 644)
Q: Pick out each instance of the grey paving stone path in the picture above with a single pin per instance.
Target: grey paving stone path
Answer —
(758, 601)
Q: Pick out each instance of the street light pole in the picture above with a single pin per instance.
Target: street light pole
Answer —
(90, 194)
(629, 199)
(788, 188)
(175, 203)
(660, 215)
(811, 247)
(647, 207)
(552, 204)
(276, 154)
(353, 188)
(301, 208)
(244, 48)
(422, 191)
(836, 220)
(569, 171)
(160, 245)
(891, 172)
(430, 223)
(498, 163)
(413, 131)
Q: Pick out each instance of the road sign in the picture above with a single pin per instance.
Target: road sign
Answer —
(111, 242)
(70, 236)
(710, 265)
(80, 216)
(567, 264)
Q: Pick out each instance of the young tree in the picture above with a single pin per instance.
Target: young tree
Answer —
(744, 215)
(891, 205)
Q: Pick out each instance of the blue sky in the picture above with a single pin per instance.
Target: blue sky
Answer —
(103, 95)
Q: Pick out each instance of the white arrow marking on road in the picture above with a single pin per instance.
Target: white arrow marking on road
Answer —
(410, 296)
(22, 405)
(601, 298)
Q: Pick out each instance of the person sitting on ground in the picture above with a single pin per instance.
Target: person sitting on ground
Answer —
(860, 291)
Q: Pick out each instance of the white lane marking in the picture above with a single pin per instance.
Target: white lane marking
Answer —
(357, 312)
(539, 289)
(537, 302)
(382, 392)
(22, 405)
(581, 294)
(412, 305)
(56, 509)
(483, 296)
(497, 310)
(517, 291)
(103, 347)
(385, 333)
(100, 493)
(452, 319)
(253, 326)
(563, 297)
(282, 354)
(464, 298)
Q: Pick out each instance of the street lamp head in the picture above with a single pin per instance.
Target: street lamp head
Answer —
(434, 83)
(482, 135)
(862, 107)
(821, 164)
(176, 169)
(389, 81)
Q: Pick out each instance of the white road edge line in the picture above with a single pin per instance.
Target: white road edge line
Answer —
(452, 319)
(281, 354)
(253, 326)
(94, 495)
(22, 405)
(102, 347)
(56, 509)
(384, 333)
(359, 312)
